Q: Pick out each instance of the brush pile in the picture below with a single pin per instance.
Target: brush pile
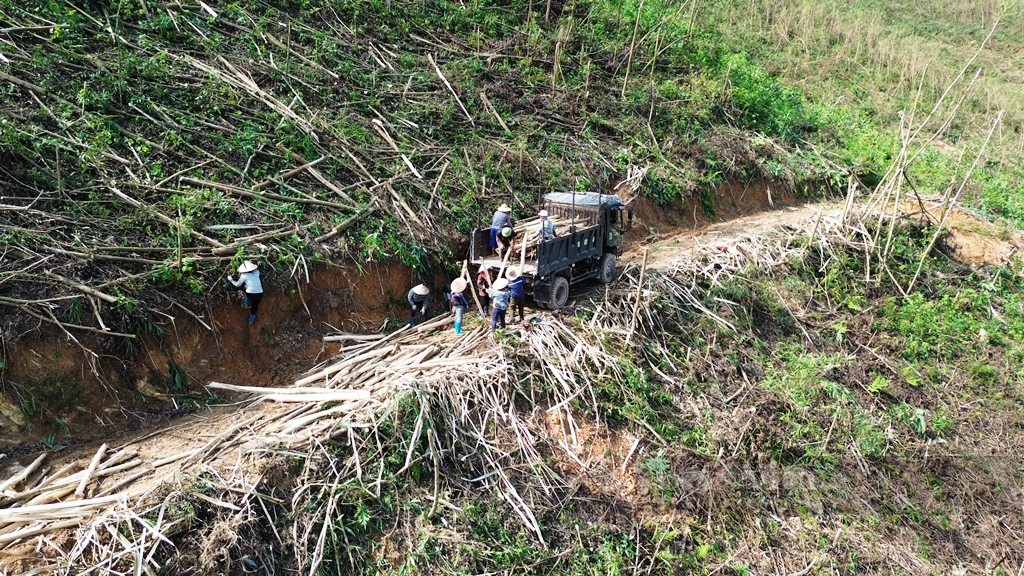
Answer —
(478, 403)
(469, 409)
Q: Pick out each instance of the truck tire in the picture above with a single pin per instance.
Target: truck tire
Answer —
(607, 271)
(559, 293)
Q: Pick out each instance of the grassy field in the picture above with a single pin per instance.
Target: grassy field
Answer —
(887, 60)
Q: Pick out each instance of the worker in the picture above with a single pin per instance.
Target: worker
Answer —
(458, 303)
(483, 284)
(517, 287)
(506, 239)
(546, 230)
(502, 219)
(500, 295)
(248, 282)
(419, 299)
(621, 220)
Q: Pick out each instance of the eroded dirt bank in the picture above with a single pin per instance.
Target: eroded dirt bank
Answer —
(50, 380)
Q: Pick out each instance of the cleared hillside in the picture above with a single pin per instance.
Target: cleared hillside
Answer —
(776, 406)
(835, 393)
(150, 145)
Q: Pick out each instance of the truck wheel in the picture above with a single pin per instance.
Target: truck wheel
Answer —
(607, 272)
(559, 293)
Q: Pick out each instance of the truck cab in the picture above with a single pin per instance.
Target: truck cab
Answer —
(589, 227)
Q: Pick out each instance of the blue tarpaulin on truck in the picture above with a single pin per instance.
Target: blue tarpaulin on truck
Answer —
(581, 198)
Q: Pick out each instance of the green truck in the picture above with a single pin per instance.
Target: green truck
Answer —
(589, 238)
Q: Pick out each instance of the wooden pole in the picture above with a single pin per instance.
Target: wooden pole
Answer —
(522, 256)
(639, 290)
(80, 491)
(472, 285)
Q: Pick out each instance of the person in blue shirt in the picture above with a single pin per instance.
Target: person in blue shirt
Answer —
(500, 296)
(419, 299)
(458, 302)
(517, 287)
(502, 219)
(249, 282)
(546, 229)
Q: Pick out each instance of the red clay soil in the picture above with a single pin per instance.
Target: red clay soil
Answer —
(731, 200)
(286, 339)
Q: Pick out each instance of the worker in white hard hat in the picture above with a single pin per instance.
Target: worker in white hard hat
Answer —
(500, 297)
(419, 299)
(458, 302)
(546, 230)
(249, 282)
(506, 238)
(502, 219)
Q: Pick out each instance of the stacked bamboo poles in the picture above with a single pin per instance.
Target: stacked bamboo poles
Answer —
(35, 501)
(529, 231)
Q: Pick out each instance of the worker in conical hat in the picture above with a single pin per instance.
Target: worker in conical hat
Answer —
(502, 219)
(458, 302)
(248, 282)
(500, 296)
(419, 300)
(517, 286)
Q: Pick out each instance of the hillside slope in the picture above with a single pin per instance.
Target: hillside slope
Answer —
(150, 146)
(794, 417)
(838, 394)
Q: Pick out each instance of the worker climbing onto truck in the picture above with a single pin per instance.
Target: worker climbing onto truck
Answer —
(249, 283)
(500, 295)
(458, 303)
(546, 230)
(502, 219)
(483, 285)
(517, 287)
(419, 299)
(506, 239)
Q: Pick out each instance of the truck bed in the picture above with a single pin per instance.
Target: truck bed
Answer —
(529, 268)
(542, 259)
